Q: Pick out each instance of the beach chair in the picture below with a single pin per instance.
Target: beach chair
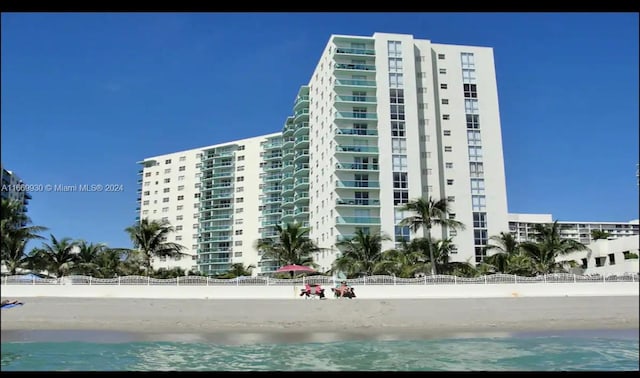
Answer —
(310, 292)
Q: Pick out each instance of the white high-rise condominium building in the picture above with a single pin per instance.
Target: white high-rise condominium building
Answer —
(383, 120)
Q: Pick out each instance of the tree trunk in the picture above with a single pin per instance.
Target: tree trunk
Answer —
(433, 263)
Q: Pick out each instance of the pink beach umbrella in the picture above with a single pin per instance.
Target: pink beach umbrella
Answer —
(295, 269)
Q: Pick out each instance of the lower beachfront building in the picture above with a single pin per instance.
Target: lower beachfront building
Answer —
(522, 227)
(383, 120)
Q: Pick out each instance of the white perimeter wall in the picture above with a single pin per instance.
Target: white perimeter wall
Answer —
(291, 292)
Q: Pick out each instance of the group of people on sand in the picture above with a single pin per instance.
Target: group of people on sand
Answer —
(341, 291)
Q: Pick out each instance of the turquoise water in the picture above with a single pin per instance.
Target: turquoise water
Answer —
(523, 352)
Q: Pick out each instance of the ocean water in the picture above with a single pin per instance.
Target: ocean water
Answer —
(569, 351)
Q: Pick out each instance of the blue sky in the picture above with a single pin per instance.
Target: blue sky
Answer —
(87, 95)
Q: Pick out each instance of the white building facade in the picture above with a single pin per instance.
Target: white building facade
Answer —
(383, 120)
(522, 227)
(606, 257)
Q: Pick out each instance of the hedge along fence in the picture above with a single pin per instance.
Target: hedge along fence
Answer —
(321, 280)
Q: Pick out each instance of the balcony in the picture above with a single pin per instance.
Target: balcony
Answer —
(273, 167)
(222, 195)
(352, 51)
(269, 200)
(288, 141)
(270, 178)
(272, 211)
(355, 83)
(302, 128)
(287, 189)
(300, 102)
(358, 132)
(357, 202)
(354, 67)
(357, 167)
(357, 149)
(356, 115)
(300, 155)
(357, 99)
(301, 114)
(302, 141)
(216, 239)
(301, 211)
(273, 145)
(216, 228)
(286, 177)
(301, 183)
(357, 184)
(301, 197)
(223, 174)
(222, 185)
(357, 220)
(272, 156)
(273, 188)
(301, 170)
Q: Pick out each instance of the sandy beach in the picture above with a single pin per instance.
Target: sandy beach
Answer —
(416, 317)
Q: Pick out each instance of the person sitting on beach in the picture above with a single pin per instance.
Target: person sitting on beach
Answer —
(8, 302)
(314, 289)
(341, 290)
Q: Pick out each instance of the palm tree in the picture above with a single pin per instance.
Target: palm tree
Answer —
(505, 246)
(599, 234)
(58, 257)
(14, 256)
(441, 250)
(548, 246)
(238, 270)
(292, 246)
(15, 233)
(87, 257)
(149, 237)
(404, 262)
(360, 254)
(429, 213)
(108, 263)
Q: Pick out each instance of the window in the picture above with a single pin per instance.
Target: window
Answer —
(165, 190)
(451, 199)
(402, 233)
(179, 228)
(452, 215)
(397, 129)
(168, 161)
(241, 147)
(476, 169)
(612, 259)
(442, 71)
(477, 186)
(394, 47)
(182, 158)
(165, 209)
(479, 220)
(440, 56)
(165, 199)
(166, 181)
(168, 170)
(445, 116)
(473, 121)
(396, 96)
(182, 168)
(179, 217)
(240, 179)
(241, 158)
(181, 178)
(399, 145)
(241, 168)
(480, 237)
(400, 197)
(399, 163)
(145, 202)
(449, 181)
(445, 101)
(240, 200)
(443, 86)
(238, 232)
(468, 76)
(180, 187)
(146, 193)
(400, 180)
(473, 137)
(197, 195)
(446, 132)
(448, 165)
(180, 198)
(471, 106)
(395, 64)
(448, 149)
(478, 203)
(396, 80)
(147, 183)
(475, 153)
(467, 60)
(240, 189)
(470, 90)
(148, 174)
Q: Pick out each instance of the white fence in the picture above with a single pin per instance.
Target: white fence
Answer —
(322, 280)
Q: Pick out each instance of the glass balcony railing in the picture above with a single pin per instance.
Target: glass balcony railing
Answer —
(369, 99)
(357, 201)
(358, 220)
(352, 66)
(357, 184)
(351, 51)
(363, 132)
(357, 166)
(356, 115)
(356, 83)
(343, 148)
